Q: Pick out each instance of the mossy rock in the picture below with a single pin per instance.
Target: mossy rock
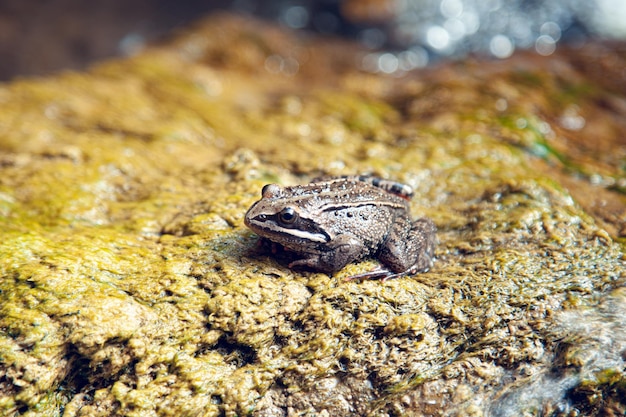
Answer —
(130, 286)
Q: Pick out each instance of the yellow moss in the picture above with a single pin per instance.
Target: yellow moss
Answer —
(129, 285)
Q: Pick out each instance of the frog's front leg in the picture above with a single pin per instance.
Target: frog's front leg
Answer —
(410, 247)
(340, 252)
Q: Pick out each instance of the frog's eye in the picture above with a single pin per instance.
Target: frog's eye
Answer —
(287, 215)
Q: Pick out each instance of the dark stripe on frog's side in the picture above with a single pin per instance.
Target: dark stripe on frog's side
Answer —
(341, 206)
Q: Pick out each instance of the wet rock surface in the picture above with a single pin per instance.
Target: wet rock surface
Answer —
(131, 287)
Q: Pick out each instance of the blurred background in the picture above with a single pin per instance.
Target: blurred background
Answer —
(40, 37)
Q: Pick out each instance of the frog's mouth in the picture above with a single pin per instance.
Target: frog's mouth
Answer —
(269, 225)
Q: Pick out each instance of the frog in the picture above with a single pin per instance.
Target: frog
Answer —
(334, 221)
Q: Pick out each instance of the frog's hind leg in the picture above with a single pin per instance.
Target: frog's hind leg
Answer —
(424, 236)
(413, 251)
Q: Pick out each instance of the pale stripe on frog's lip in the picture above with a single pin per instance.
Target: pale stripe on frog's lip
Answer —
(274, 228)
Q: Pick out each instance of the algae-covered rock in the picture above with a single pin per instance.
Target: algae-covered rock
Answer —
(130, 286)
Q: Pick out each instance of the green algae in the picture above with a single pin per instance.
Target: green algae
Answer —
(129, 285)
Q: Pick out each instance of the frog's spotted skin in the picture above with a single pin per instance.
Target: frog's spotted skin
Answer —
(397, 188)
(336, 221)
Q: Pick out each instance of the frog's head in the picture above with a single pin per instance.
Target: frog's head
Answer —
(279, 217)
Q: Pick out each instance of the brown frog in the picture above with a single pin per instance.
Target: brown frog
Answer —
(332, 222)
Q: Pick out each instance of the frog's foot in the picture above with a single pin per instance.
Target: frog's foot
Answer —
(378, 273)
(385, 274)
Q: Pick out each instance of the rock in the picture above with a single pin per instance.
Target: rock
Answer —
(130, 286)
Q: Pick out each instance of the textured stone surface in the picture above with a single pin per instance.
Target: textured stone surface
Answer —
(129, 285)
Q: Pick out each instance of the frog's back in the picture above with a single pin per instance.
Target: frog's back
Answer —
(354, 191)
(348, 205)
